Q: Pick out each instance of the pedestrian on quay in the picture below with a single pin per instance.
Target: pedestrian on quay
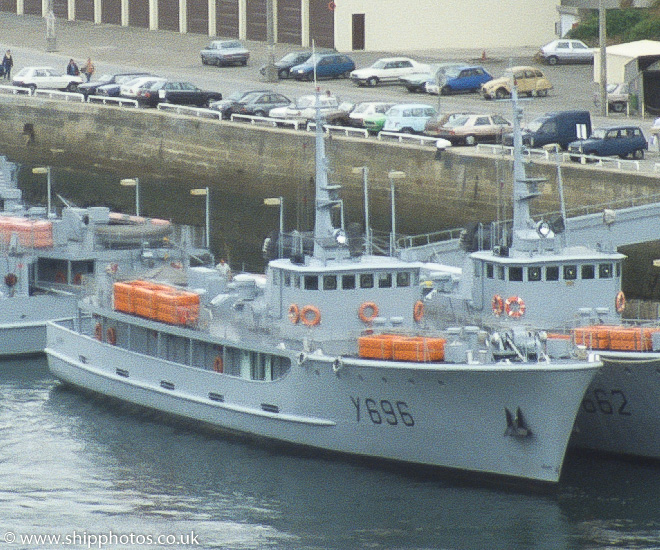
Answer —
(88, 69)
(7, 64)
(72, 68)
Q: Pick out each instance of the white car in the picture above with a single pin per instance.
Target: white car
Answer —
(388, 69)
(304, 107)
(131, 87)
(365, 109)
(45, 77)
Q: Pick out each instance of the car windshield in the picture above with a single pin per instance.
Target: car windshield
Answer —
(458, 121)
(23, 72)
(598, 133)
(229, 45)
(536, 124)
(362, 108)
(452, 72)
(380, 64)
(288, 58)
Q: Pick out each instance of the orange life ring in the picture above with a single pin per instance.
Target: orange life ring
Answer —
(418, 311)
(620, 302)
(98, 332)
(111, 336)
(77, 280)
(315, 318)
(364, 307)
(11, 279)
(217, 364)
(514, 307)
(60, 278)
(294, 314)
(497, 304)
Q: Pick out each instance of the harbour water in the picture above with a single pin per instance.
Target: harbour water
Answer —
(86, 468)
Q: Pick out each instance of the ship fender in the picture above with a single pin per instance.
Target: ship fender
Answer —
(620, 302)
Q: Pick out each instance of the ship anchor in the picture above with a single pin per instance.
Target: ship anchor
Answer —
(515, 426)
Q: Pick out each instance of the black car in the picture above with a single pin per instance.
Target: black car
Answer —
(291, 60)
(90, 88)
(227, 105)
(614, 140)
(259, 103)
(178, 92)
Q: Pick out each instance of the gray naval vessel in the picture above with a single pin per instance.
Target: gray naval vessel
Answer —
(48, 259)
(330, 350)
(550, 275)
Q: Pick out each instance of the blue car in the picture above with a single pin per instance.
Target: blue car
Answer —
(463, 79)
(328, 65)
(616, 140)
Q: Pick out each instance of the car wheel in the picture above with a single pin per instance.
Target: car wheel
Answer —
(244, 62)
(407, 130)
(542, 93)
(501, 93)
(259, 113)
(552, 60)
(618, 107)
(32, 88)
(204, 61)
(445, 90)
(470, 140)
(72, 87)
(639, 154)
(372, 81)
(283, 73)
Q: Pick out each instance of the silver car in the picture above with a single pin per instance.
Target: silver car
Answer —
(566, 51)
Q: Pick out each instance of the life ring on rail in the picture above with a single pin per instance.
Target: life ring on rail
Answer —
(294, 314)
(111, 336)
(60, 278)
(98, 332)
(418, 311)
(362, 312)
(310, 316)
(11, 279)
(514, 307)
(217, 364)
(498, 305)
(620, 302)
(77, 280)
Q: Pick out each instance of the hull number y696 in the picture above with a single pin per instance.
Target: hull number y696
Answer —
(383, 411)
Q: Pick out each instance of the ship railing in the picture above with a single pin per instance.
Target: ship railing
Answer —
(401, 137)
(346, 130)
(186, 110)
(295, 124)
(107, 100)
(56, 94)
(414, 241)
(15, 90)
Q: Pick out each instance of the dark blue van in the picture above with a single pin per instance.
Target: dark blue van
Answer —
(560, 127)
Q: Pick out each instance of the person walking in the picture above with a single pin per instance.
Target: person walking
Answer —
(72, 68)
(7, 64)
(88, 69)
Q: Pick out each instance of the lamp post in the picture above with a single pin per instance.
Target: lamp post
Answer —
(133, 182)
(205, 192)
(364, 170)
(394, 175)
(45, 170)
(278, 201)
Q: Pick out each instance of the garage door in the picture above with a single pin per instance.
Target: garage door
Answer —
(138, 13)
(227, 18)
(32, 7)
(289, 22)
(84, 10)
(168, 15)
(8, 5)
(255, 16)
(111, 12)
(198, 16)
(321, 24)
(61, 9)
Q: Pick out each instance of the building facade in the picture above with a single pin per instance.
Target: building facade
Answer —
(374, 25)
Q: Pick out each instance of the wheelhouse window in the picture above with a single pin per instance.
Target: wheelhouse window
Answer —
(500, 272)
(552, 273)
(287, 279)
(366, 280)
(403, 278)
(618, 270)
(330, 282)
(588, 271)
(384, 280)
(533, 273)
(348, 282)
(490, 272)
(605, 271)
(515, 274)
(570, 272)
(311, 282)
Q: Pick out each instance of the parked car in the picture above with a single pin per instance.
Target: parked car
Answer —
(177, 92)
(291, 60)
(435, 123)
(416, 82)
(387, 69)
(618, 96)
(45, 77)
(408, 118)
(304, 108)
(365, 109)
(225, 104)
(374, 123)
(621, 140)
(256, 103)
(462, 79)
(472, 129)
(327, 65)
(225, 52)
(130, 87)
(566, 51)
(561, 127)
(529, 80)
(438, 76)
(90, 88)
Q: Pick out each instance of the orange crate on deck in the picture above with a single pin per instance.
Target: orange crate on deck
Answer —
(594, 337)
(419, 349)
(123, 297)
(376, 346)
(177, 307)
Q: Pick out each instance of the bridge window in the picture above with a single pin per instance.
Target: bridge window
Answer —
(533, 273)
(384, 280)
(552, 273)
(588, 271)
(287, 279)
(515, 274)
(330, 282)
(348, 282)
(570, 272)
(490, 272)
(366, 280)
(403, 278)
(605, 271)
(500, 272)
(618, 270)
(296, 281)
(311, 282)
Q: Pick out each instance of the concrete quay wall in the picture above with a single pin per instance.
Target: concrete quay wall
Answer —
(263, 161)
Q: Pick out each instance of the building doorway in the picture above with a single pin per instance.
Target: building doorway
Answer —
(358, 31)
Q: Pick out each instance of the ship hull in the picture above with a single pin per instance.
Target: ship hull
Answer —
(450, 416)
(620, 413)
